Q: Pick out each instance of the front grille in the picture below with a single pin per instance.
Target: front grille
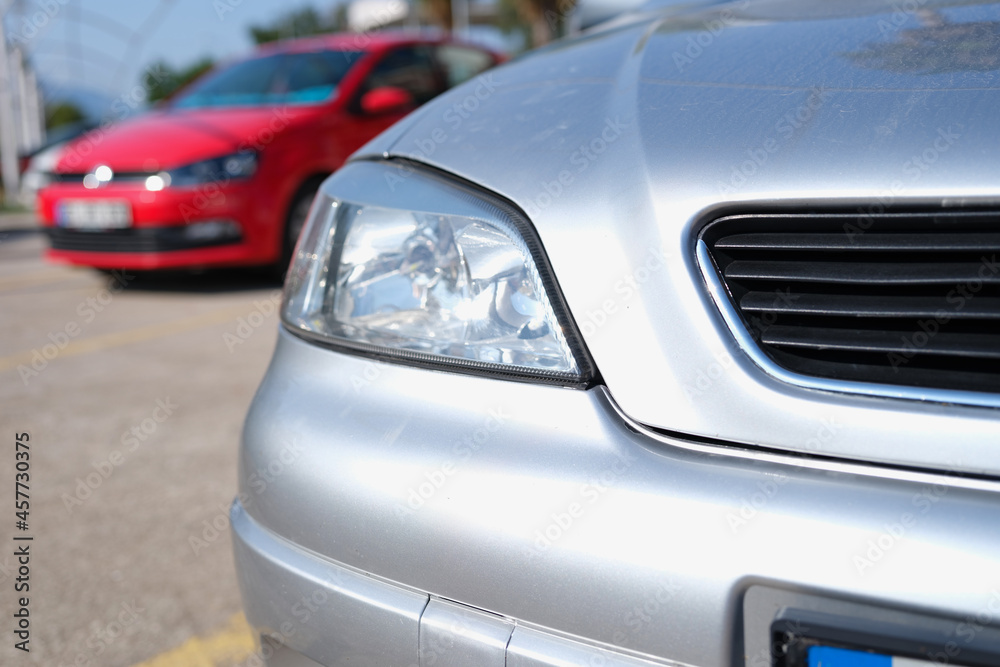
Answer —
(148, 239)
(907, 299)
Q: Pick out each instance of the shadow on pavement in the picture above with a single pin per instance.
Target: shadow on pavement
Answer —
(15, 233)
(201, 282)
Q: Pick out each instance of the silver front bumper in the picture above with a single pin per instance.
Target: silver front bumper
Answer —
(308, 608)
(396, 516)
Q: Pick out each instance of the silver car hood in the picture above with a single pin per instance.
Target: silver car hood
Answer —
(621, 144)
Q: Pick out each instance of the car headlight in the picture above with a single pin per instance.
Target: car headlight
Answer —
(417, 267)
(235, 166)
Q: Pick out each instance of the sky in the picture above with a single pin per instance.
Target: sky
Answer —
(104, 46)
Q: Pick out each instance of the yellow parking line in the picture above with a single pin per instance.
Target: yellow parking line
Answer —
(119, 338)
(227, 647)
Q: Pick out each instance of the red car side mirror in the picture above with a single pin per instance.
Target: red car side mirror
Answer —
(385, 99)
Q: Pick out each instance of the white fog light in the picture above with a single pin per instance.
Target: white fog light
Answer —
(157, 182)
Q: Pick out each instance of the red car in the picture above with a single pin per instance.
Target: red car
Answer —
(224, 175)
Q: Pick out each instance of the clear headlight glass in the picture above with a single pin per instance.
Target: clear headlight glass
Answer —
(415, 266)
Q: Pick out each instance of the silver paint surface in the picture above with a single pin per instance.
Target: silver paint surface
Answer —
(545, 506)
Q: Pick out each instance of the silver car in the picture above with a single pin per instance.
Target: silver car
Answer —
(676, 343)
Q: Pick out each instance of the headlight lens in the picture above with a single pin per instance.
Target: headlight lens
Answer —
(235, 166)
(418, 267)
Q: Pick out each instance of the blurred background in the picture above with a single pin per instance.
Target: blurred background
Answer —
(68, 64)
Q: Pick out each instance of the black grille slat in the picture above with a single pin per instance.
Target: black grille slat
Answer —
(891, 374)
(77, 177)
(859, 272)
(979, 346)
(850, 242)
(904, 298)
(869, 306)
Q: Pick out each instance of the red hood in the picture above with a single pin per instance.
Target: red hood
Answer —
(171, 138)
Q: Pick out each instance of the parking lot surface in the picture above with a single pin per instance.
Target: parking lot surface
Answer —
(132, 390)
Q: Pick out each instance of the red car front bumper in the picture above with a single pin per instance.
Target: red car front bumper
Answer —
(211, 225)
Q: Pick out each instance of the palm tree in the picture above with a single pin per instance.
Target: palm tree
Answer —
(439, 13)
(541, 20)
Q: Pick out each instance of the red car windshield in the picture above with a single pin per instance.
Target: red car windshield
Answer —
(281, 78)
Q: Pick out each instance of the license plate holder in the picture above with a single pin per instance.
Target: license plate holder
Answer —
(94, 214)
(806, 638)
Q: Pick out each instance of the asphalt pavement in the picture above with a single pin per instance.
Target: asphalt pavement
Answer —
(127, 392)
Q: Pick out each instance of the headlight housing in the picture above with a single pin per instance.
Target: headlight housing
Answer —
(416, 267)
(235, 166)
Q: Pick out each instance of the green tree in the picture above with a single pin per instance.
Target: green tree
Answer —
(63, 113)
(540, 21)
(161, 81)
(297, 23)
(439, 13)
(340, 18)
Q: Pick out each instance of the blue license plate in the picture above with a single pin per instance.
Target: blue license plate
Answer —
(828, 656)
